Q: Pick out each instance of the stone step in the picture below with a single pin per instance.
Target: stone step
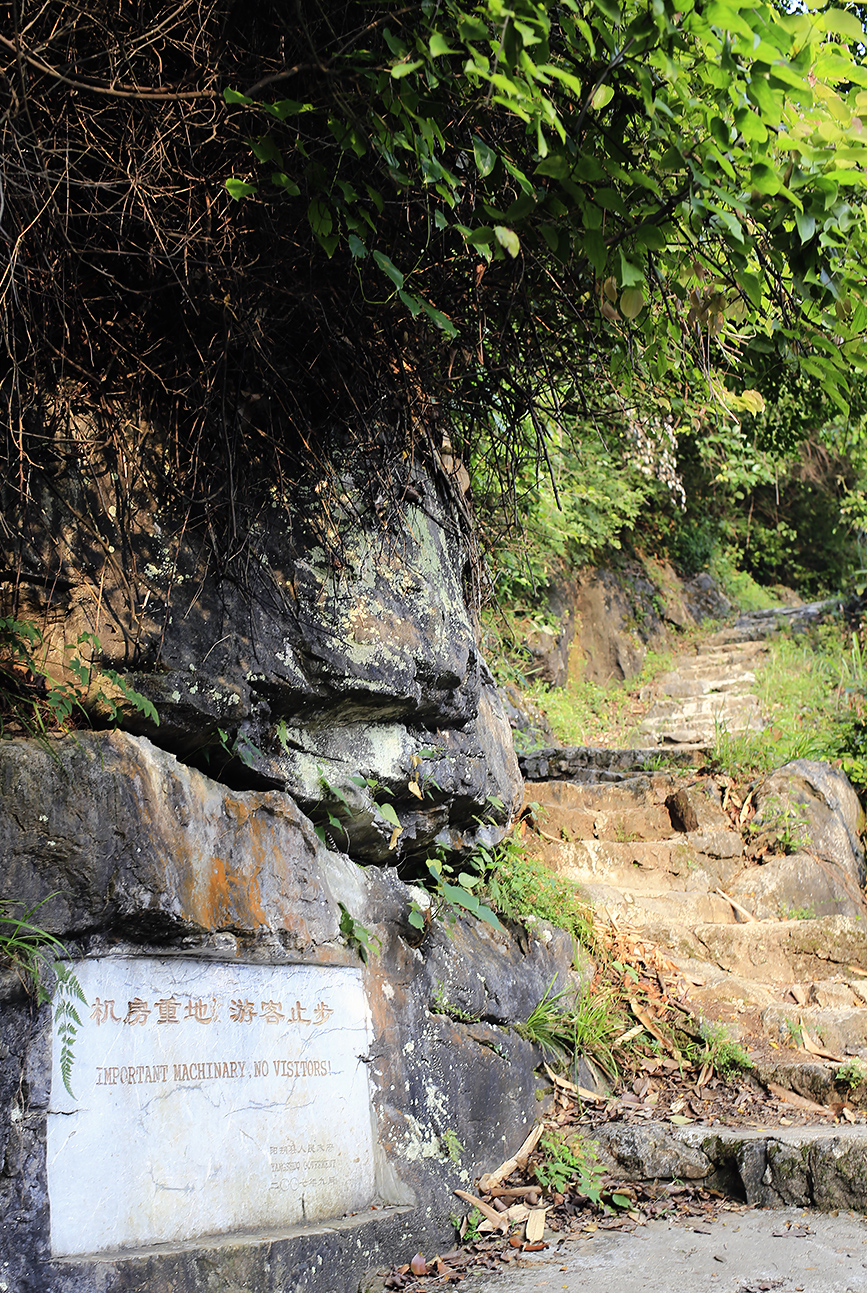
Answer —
(839, 1029)
(649, 866)
(701, 717)
(593, 763)
(651, 913)
(823, 1167)
(784, 951)
(644, 806)
(688, 683)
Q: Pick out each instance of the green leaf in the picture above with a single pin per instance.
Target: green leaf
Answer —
(764, 178)
(388, 268)
(806, 225)
(265, 150)
(595, 250)
(442, 322)
(282, 181)
(387, 810)
(841, 23)
(234, 96)
(555, 164)
(752, 286)
(485, 914)
(438, 45)
(359, 251)
(460, 898)
(287, 108)
(404, 69)
(602, 97)
(319, 217)
(631, 302)
(486, 158)
(238, 189)
(508, 239)
(630, 275)
(412, 303)
(610, 9)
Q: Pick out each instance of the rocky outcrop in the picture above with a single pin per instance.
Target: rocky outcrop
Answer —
(322, 704)
(336, 644)
(124, 851)
(602, 622)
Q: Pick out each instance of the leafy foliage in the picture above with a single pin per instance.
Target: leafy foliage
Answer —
(660, 185)
(450, 899)
(34, 701)
(66, 1018)
(35, 954)
(358, 935)
(563, 1164)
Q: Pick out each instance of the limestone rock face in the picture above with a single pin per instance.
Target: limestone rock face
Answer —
(131, 853)
(306, 663)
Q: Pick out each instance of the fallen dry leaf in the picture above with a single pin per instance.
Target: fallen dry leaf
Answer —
(535, 1225)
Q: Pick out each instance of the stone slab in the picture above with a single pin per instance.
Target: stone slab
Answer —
(208, 1099)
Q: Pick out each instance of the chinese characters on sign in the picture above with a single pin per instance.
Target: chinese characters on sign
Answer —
(207, 1011)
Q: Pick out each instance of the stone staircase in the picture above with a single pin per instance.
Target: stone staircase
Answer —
(753, 893)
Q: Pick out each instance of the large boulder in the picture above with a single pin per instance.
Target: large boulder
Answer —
(312, 656)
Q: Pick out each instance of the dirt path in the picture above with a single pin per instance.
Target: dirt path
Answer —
(742, 906)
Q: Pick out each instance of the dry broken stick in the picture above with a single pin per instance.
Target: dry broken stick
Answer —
(499, 1220)
(491, 1180)
(736, 906)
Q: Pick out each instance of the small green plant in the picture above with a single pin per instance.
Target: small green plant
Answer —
(467, 1228)
(851, 1074)
(358, 935)
(452, 1146)
(522, 887)
(547, 1025)
(67, 990)
(589, 1026)
(449, 899)
(35, 953)
(794, 1032)
(566, 1164)
(35, 702)
(717, 1048)
(237, 747)
(784, 826)
(797, 913)
(440, 1005)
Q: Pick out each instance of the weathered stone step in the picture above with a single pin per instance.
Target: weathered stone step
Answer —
(593, 763)
(657, 805)
(649, 866)
(658, 911)
(839, 1029)
(783, 951)
(821, 1167)
(701, 718)
(687, 683)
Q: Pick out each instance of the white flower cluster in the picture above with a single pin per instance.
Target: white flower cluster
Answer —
(654, 453)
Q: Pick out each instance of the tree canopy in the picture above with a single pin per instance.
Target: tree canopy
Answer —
(564, 189)
(475, 221)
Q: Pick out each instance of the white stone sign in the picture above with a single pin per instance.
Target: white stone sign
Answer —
(208, 1098)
